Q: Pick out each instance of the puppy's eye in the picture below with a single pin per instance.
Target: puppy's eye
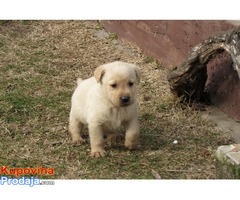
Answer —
(114, 85)
(130, 84)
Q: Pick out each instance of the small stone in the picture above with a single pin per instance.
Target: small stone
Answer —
(175, 142)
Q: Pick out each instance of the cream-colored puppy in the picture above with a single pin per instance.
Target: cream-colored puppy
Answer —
(104, 103)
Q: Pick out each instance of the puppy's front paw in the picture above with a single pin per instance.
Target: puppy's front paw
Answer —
(99, 153)
(131, 145)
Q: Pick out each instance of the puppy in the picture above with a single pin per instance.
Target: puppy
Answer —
(104, 103)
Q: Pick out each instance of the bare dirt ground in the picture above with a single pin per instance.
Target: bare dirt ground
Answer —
(39, 64)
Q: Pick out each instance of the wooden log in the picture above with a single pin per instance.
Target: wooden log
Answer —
(188, 80)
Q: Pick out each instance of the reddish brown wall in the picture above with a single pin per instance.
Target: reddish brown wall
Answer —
(170, 41)
(167, 40)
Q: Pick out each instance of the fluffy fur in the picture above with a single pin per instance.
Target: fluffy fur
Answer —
(104, 103)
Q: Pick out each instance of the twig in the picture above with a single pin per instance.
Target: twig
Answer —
(182, 170)
(155, 174)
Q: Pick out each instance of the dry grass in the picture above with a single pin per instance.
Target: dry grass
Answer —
(39, 64)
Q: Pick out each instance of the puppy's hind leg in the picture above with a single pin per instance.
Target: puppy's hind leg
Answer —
(132, 134)
(75, 129)
(114, 138)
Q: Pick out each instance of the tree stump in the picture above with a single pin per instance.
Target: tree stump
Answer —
(188, 80)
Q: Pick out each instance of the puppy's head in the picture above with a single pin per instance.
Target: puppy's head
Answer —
(118, 81)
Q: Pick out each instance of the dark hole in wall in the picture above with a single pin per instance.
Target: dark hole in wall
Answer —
(223, 84)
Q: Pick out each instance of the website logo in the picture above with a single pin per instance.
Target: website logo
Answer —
(16, 176)
(6, 170)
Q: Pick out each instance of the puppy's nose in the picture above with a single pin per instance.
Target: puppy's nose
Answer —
(125, 99)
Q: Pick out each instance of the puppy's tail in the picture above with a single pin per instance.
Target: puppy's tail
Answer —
(79, 80)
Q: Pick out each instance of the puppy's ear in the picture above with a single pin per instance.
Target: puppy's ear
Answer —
(99, 72)
(138, 73)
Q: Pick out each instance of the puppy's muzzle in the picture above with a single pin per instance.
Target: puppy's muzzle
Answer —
(125, 100)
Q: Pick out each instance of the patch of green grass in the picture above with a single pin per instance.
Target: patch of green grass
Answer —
(147, 116)
(13, 68)
(163, 107)
(21, 106)
(156, 63)
(3, 22)
(1, 44)
(99, 26)
(112, 36)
